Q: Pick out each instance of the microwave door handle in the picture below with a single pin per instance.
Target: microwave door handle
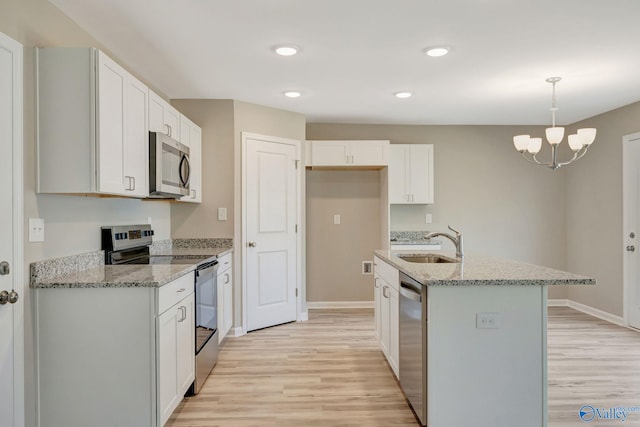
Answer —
(184, 164)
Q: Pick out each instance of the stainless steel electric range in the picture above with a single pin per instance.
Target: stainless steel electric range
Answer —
(129, 244)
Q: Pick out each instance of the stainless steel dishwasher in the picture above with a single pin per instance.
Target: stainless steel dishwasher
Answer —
(413, 344)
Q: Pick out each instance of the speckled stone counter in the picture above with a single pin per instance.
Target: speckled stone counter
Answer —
(118, 276)
(89, 271)
(477, 270)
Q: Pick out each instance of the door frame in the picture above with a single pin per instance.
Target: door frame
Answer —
(626, 225)
(18, 248)
(299, 209)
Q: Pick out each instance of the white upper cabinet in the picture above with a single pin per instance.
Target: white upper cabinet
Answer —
(92, 124)
(191, 136)
(163, 117)
(374, 154)
(411, 174)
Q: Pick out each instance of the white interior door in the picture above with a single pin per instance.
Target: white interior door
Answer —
(631, 213)
(271, 201)
(11, 264)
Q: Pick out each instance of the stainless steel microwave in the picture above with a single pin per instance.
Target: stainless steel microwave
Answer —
(169, 168)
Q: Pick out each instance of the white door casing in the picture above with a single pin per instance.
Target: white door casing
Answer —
(631, 224)
(271, 254)
(11, 247)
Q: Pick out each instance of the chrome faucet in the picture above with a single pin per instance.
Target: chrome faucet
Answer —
(457, 240)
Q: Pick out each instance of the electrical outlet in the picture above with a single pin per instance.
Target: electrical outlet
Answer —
(367, 267)
(36, 230)
(488, 320)
(428, 218)
(336, 219)
(222, 214)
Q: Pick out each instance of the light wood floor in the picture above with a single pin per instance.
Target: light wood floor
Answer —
(329, 371)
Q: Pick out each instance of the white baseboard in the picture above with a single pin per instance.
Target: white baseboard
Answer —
(557, 302)
(591, 311)
(617, 320)
(236, 332)
(304, 316)
(338, 304)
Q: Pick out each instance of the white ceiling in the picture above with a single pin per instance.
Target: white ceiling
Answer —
(357, 53)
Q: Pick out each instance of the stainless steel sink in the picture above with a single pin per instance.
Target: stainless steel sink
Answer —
(427, 259)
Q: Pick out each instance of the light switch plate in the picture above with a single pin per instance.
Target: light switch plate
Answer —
(36, 229)
(336, 219)
(222, 214)
(428, 218)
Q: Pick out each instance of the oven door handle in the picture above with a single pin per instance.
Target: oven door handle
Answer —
(409, 292)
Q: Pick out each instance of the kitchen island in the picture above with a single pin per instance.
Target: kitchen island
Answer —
(485, 350)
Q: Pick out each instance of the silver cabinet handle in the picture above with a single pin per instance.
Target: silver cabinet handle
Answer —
(251, 244)
(384, 291)
(193, 194)
(631, 248)
(375, 283)
(5, 268)
(133, 179)
(226, 278)
(183, 310)
(346, 159)
(180, 290)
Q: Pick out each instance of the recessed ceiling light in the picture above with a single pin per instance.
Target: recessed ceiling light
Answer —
(403, 94)
(437, 51)
(292, 94)
(286, 49)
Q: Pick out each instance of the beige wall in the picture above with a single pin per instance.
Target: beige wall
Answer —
(504, 206)
(72, 223)
(216, 119)
(335, 252)
(594, 211)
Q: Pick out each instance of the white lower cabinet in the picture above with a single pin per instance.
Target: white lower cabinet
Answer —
(175, 355)
(387, 311)
(120, 356)
(225, 295)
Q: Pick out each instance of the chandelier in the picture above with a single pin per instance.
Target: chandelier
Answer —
(578, 142)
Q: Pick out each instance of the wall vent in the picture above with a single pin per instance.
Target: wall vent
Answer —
(367, 267)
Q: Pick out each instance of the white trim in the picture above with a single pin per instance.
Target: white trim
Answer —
(627, 224)
(237, 331)
(591, 311)
(320, 305)
(16, 50)
(560, 302)
(299, 208)
(304, 316)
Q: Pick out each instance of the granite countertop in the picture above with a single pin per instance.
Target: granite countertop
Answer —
(118, 276)
(480, 270)
(89, 271)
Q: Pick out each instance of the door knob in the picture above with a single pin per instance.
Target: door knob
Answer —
(4, 268)
(251, 244)
(8, 297)
(631, 248)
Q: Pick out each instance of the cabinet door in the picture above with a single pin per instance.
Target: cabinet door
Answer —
(368, 153)
(136, 154)
(220, 306)
(110, 125)
(398, 174)
(167, 362)
(191, 136)
(420, 167)
(185, 345)
(394, 330)
(163, 117)
(329, 153)
(377, 304)
(384, 317)
(227, 283)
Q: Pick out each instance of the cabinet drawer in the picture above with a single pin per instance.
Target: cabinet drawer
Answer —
(174, 292)
(224, 262)
(388, 273)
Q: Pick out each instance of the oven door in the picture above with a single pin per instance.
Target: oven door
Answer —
(206, 303)
(169, 167)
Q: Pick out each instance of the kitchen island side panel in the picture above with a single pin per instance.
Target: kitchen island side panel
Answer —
(487, 377)
(95, 357)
